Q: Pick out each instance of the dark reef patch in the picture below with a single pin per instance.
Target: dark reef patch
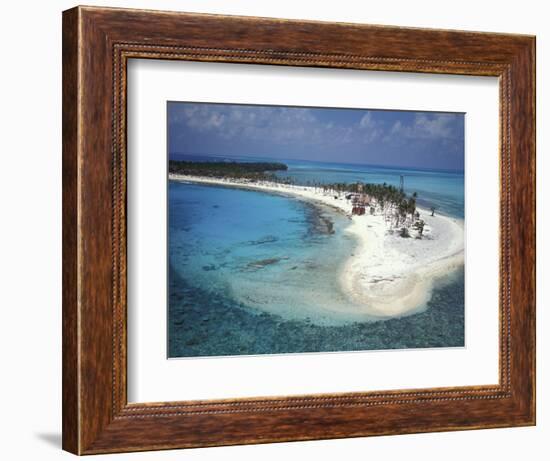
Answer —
(207, 324)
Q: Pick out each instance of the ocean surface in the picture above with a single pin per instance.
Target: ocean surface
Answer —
(233, 253)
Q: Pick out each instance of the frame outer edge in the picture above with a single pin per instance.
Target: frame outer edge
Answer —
(70, 178)
(533, 181)
(522, 241)
(534, 214)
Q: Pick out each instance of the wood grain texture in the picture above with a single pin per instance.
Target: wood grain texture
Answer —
(70, 383)
(97, 43)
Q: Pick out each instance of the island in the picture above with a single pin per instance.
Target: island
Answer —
(401, 249)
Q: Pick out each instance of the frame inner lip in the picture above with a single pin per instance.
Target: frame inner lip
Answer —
(125, 50)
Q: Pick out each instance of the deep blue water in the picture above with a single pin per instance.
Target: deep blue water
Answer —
(249, 270)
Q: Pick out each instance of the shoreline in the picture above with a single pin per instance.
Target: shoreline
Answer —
(386, 275)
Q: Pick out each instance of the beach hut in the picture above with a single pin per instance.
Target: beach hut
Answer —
(358, 209)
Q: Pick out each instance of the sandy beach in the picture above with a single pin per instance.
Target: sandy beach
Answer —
(386, 275)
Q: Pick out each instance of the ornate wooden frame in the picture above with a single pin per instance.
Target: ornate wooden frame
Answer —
(97, 43)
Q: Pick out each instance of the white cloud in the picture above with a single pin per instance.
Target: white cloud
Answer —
(438, 126)
(278, 124)
(434, 127)
(285, 125)
(371, 128)
(367, 121)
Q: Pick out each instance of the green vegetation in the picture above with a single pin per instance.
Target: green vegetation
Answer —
(398, 208)
(240, 170)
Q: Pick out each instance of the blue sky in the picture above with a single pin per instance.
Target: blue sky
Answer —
(375, 137)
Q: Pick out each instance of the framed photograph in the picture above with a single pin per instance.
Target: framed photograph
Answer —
(284, 230)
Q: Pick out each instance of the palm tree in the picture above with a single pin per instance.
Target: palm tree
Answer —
(411, 207)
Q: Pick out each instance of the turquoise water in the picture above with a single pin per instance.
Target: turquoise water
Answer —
(249, 272)
(442, 189)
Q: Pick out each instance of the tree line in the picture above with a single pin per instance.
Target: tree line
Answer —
(234, 170)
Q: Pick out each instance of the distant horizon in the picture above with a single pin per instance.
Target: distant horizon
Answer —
(281, 159)
(371, 137)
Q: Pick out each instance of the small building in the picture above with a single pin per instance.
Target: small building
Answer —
(358, 210)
